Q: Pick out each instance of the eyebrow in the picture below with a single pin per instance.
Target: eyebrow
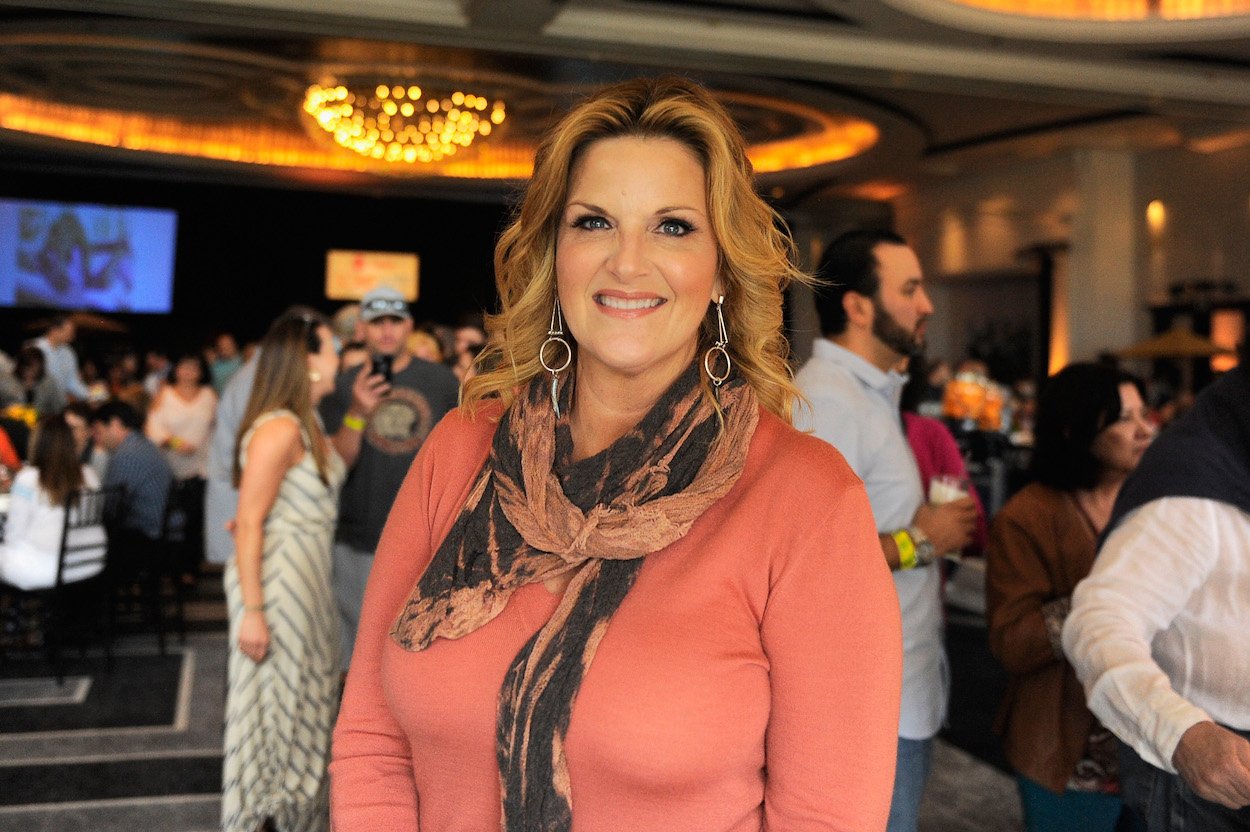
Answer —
(597, 209)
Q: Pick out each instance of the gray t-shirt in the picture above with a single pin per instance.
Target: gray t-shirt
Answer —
(421, 394)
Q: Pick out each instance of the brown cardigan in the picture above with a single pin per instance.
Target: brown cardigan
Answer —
(1040, 548)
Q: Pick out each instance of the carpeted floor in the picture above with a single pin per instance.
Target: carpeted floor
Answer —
(138, 749)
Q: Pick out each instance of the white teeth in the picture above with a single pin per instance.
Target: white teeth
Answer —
(627, 303)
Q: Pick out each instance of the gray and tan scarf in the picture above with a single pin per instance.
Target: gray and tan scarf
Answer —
(534, 515)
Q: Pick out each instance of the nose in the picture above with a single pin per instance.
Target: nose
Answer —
(924, 304)
(628, 259)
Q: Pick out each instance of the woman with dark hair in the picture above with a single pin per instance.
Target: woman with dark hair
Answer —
(37, 504)
(617, 589)
(1091, 432)
(180, 422)
(284, 667)
(35, 388)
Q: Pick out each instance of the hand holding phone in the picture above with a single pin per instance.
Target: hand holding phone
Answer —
(382, 366)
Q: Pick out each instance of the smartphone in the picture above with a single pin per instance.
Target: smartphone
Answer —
(382, 367)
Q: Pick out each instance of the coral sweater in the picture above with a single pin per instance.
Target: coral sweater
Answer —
(750, 680)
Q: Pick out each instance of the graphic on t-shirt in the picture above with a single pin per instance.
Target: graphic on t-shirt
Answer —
(401, 422)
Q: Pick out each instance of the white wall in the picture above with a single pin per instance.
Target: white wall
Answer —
(977, 224)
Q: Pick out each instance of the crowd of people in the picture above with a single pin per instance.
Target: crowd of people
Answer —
(607, 563)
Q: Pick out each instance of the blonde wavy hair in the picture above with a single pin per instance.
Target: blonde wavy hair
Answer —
(756, 255)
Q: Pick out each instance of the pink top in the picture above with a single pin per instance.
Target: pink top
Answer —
(768, 636)
(937, 452)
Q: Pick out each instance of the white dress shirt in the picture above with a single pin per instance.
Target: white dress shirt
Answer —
(854, 407)
(1158, 631)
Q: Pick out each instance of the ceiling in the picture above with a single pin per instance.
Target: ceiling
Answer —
(948, 89)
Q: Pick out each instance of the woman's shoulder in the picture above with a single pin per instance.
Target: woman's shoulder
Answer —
(279, 425)
(1032, 503)
(463, 435)
(792, 461)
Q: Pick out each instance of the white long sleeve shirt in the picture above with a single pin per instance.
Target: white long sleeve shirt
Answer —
(1158, 631)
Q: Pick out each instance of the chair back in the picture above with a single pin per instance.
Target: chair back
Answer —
(84, 550)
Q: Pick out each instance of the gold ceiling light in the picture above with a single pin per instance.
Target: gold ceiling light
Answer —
(402, 122)
(1115, 10)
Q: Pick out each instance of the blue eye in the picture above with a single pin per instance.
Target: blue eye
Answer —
(675, 228)
(590, 222)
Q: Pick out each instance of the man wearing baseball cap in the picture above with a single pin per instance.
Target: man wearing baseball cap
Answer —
(378, 416)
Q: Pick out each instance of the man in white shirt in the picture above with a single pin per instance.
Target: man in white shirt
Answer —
(1159, 633)
(873, 312)
(61, 362)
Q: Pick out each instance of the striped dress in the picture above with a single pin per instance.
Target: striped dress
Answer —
(280, 713)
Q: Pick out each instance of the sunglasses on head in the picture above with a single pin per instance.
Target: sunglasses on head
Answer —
(383, 305)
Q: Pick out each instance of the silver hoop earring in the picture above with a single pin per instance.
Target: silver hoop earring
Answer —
(555, 335)
(718, 351)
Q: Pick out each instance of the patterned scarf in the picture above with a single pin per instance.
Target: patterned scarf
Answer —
(533, 515)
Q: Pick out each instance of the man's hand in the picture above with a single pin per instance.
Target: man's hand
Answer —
(949, 526)
(1215, 763)
(367, 390)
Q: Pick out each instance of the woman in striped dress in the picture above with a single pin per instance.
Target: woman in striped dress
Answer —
(284, 676)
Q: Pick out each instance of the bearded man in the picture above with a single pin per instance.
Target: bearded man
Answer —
(873, 308)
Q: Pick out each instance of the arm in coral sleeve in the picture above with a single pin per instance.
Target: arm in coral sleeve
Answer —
(833, 637)
(371, 781)
(1017, 584)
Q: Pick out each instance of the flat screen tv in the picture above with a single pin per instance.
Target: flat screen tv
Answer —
(74, 256)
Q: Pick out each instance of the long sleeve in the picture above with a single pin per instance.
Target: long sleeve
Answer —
(1017, 585)
(1145, 575)
(832, 634)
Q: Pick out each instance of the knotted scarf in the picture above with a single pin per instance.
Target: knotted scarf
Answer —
(533, 515)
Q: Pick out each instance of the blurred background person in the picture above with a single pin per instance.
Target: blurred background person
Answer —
(1091, 432)
(61, 362)
(156, 371)
(31, 385)
(284, 665)
(226, 361)
(180, 423)
(31, 549)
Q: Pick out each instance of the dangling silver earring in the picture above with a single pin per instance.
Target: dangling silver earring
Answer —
(718, 351)
(555, 335)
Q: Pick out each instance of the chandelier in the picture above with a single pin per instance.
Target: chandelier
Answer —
(402, 122)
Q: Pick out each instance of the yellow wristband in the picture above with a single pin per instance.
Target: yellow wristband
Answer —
(906, 549)
(353, 423)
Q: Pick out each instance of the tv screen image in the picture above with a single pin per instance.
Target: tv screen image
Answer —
(77, 256)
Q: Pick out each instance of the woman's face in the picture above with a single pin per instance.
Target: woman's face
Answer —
(82, 432)
(323, 365)
(636, 260)
(1119, 446)
(187, 371)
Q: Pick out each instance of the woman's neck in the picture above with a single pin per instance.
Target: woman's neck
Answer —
(187, 391)
(1100, 500)
(607, 405)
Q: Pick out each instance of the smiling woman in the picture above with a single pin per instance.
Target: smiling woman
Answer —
(618, 599)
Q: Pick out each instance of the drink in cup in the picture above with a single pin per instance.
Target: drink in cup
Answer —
(946, 488)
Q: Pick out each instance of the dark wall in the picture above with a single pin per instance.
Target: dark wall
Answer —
(244, 254)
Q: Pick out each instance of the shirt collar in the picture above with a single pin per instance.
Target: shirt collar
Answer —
(869, 374)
